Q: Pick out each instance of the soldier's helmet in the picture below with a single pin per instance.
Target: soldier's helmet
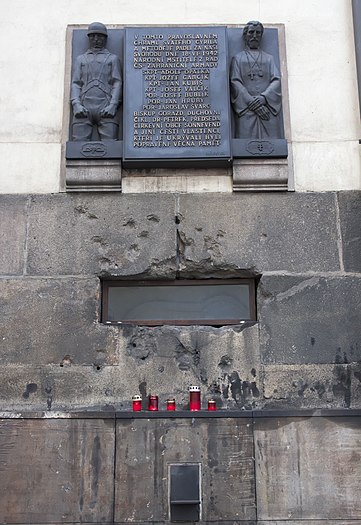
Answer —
(97, 27)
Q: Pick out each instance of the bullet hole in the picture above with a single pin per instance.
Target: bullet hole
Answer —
(108, 392)
(177, 219)
(31, 388)
(97, 367)
(253, 372)
(161, 369)
(130, 223)
(225, 361)
(153, 218)
(134, 345)
(66, 361)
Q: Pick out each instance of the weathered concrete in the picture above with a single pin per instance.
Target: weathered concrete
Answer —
(102, 235)
(310, 319)
(56, 471)
(223, 448)
(257, 232)
(166, 360)
(308, 386)
(13, 219)
(350, 221)
(308, 468)
(162, 361)
(295, 469)
(53, 321)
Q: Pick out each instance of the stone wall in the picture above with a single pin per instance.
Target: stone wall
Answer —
(268, 469)
(304, 351)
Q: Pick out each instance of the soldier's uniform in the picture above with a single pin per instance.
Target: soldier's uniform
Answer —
(96, 83)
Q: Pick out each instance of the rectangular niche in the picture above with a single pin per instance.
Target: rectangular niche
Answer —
(201, 302)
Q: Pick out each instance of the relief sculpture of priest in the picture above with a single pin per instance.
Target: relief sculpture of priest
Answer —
(255, 89)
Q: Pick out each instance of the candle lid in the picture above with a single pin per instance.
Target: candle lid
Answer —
(137, 398)
(194, 388)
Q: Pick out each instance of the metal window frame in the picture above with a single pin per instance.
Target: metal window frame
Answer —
(106, 284)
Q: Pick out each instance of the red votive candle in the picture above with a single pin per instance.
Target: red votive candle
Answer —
(137, 403)
(212, 405)
(171, 404)
(194, 398)
(153, 403)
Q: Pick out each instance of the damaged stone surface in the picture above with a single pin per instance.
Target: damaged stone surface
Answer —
(350, 221)
(307, 386)
(258, 233)
(56, 354)
(53, 321)
(162, 361)
(106, 235)
(310, 319)
(166, 360)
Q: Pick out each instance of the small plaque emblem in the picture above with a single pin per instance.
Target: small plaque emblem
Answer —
(93, 149)
(260, 147)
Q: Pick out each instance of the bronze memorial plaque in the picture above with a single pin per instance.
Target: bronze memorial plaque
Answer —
(177, 93)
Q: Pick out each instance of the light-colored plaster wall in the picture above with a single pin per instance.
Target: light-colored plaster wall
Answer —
(325, 124)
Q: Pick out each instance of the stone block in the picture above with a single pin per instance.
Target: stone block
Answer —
(326, 166)
(260, 174)
(308, 468)
(216, 180)
(307, 386)
(93, 175)
(56, 471)
(53, 321)
(102, 234)
(62, 388)
(13, 219)
(309, 319)
(29, 167)
(166, 360)
(350, 220)
(223, 448)
(222, 234)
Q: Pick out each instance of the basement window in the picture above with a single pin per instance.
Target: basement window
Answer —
(185, 302)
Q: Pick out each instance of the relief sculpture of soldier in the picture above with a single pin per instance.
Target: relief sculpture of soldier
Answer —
(255, 89)
(96, 89)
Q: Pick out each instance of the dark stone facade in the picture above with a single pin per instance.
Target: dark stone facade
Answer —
(254, 468)
(304, 351)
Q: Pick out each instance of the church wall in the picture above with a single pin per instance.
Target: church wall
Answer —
(286, 447)
(321, 80)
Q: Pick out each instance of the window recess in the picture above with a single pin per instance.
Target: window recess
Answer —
(213, 302)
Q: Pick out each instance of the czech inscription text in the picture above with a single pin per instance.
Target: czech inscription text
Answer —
(176, 111)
